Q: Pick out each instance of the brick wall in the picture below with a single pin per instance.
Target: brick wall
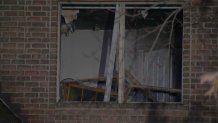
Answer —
(28, 55)
(28, 40)
(200, 56)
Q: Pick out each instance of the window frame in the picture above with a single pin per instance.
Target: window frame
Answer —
(172, 5)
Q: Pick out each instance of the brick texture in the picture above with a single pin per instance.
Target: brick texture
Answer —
(28, 55)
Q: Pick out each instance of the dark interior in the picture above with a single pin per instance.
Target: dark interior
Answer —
(103, 19)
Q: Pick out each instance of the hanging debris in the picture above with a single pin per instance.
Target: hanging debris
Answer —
(70, 15)
(144, 13)
(68, 20)
(66, 28)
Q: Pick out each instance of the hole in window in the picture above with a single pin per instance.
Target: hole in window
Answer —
(120, 53)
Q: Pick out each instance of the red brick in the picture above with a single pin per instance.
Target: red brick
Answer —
(15, 51)
(9, 34)
(9, 1)
(44, 61)
(32, 84)
(24, 56)
(21, 8)
(34, 18)
(24, 67)
(8, 67)
(8, 78)
(23, 100)
(37, 78)
(39, 14)
(39, 2)
(9, 56)
(32, 61)
(17, 29)
(34, 51)
(32, 106)
(38, 24)
(7, 24)
(37, 100)
(10, 13)
(23, 78)
(5, 8)
(38, 89)
(38, 34)
(5, 18)
(34, 39)
(32, 95)
(34, 8)
(4, 61)
(17, 39)
(3, 73)
(38, 45)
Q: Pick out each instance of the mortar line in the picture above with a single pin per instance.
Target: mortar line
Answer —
(190, 57)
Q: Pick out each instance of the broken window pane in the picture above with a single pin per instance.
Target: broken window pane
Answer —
(84, 53)
(153, 56)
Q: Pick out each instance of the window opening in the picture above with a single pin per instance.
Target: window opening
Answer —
(90, 53)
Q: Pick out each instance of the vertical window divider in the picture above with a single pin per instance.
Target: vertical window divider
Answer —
(109, 74)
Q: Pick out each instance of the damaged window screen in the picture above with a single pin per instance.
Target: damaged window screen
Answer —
(152, 53)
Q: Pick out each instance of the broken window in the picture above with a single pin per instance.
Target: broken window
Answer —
(120, 53)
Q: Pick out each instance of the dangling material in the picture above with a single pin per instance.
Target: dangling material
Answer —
(70, 15)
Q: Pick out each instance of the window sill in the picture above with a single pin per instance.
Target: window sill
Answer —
(173, 105)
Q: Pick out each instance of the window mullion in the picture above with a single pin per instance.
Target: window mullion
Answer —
(121, 60)
(112, 55)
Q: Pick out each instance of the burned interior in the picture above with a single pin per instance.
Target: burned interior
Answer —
(90, 52)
